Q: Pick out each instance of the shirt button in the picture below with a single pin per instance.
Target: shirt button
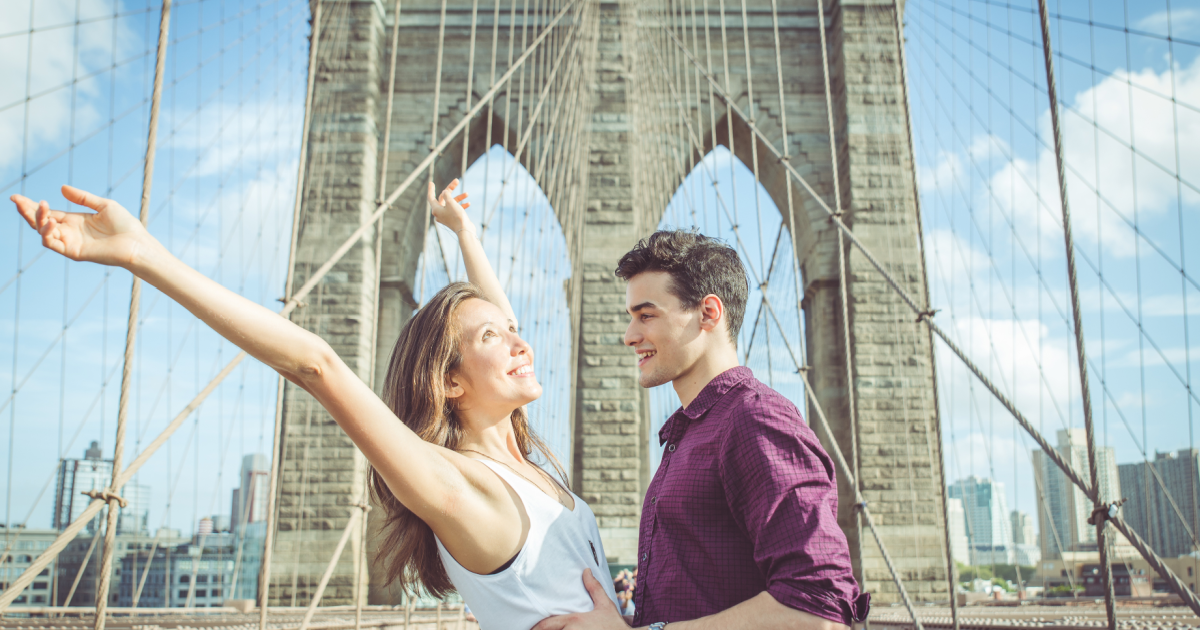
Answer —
(671, 448)
(644, 556)
(653, 500)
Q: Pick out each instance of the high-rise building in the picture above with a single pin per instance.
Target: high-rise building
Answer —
(1163, 518)
(1063, 509)
(251, 494)
(77, 476)
(956, 523)
(1026, 550)
(986, 511)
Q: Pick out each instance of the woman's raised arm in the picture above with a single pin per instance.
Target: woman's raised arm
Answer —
(447, 210)
(430, 480)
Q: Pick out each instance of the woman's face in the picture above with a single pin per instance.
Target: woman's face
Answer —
(496, 374)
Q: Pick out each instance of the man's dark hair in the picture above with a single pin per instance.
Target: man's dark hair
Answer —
(698, 265)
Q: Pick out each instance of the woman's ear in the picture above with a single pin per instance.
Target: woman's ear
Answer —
(453, 388)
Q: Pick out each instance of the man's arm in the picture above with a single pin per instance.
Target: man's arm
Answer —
(760, 612)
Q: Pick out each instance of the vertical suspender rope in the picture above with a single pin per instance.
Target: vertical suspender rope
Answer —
(1098, 516)
(902, 69)
(470, 80)
(115, 502)
(264, 572)
(437, 96)
(71, 531)
(837, 453)
(361, 576)
(842, 288)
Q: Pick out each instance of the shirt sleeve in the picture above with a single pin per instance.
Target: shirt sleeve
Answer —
(781, 489)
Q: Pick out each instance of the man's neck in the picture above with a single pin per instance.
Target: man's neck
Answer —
(710, 365)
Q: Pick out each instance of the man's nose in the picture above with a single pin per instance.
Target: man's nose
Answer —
(632, 337)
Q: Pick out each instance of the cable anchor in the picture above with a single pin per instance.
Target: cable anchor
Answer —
(927, 315)
(1105, 512)
(106, 495)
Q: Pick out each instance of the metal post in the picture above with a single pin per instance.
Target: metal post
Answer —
(264, 571)
(115, 502)
(1081, 354)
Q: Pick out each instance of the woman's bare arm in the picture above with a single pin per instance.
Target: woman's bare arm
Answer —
(447, 210)
(437, 484)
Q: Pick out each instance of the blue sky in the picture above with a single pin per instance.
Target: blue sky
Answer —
(222, 201)
(995, 248)
(225, 179)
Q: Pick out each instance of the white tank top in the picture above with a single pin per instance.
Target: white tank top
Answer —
(546, 577)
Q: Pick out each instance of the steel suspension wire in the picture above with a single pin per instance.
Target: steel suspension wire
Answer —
(264, 574)
(902, 67)
(94, 507)
(924, 317)
(115, 502)
(801, 368)
(843, 291)
(1081, 353)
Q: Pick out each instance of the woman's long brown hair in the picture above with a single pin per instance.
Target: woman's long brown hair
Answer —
(428, 350)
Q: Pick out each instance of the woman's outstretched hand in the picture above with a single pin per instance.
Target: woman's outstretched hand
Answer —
(110, 236)
(447, 210)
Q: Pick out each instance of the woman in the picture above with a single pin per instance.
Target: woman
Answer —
(466, 508)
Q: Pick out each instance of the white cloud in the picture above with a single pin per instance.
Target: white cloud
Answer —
(1096, 158)
(1179, 21)
(53, 63)
(950, 167)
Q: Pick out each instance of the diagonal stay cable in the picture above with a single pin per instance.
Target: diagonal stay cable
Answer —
(68, 534)
(923, 316)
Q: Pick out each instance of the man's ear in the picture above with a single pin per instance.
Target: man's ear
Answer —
(712, 312)
(453, 388)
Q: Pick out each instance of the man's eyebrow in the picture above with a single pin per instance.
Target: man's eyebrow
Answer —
(634, 309)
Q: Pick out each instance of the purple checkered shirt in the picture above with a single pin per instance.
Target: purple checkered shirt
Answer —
(744, 501)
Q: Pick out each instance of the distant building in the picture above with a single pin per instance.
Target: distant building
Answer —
(1063, 509)
(1163, 519)
(250, 498)
(72, 559)
(76, 476)
(179, 576)
(986, 510)
(1026, 550)
(26, 545)
(250, 539)
(956, 524)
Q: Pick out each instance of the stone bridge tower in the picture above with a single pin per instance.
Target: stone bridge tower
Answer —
(896, 436)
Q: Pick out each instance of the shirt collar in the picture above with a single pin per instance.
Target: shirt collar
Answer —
(714, 391)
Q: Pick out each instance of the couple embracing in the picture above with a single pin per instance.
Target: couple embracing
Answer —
(738, 528)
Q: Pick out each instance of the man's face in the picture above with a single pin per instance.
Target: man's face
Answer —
(665, 336)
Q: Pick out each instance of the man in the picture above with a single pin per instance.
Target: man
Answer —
(739, 525)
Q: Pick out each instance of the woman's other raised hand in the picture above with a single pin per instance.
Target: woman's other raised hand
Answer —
(110, 236)
(449, 210)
